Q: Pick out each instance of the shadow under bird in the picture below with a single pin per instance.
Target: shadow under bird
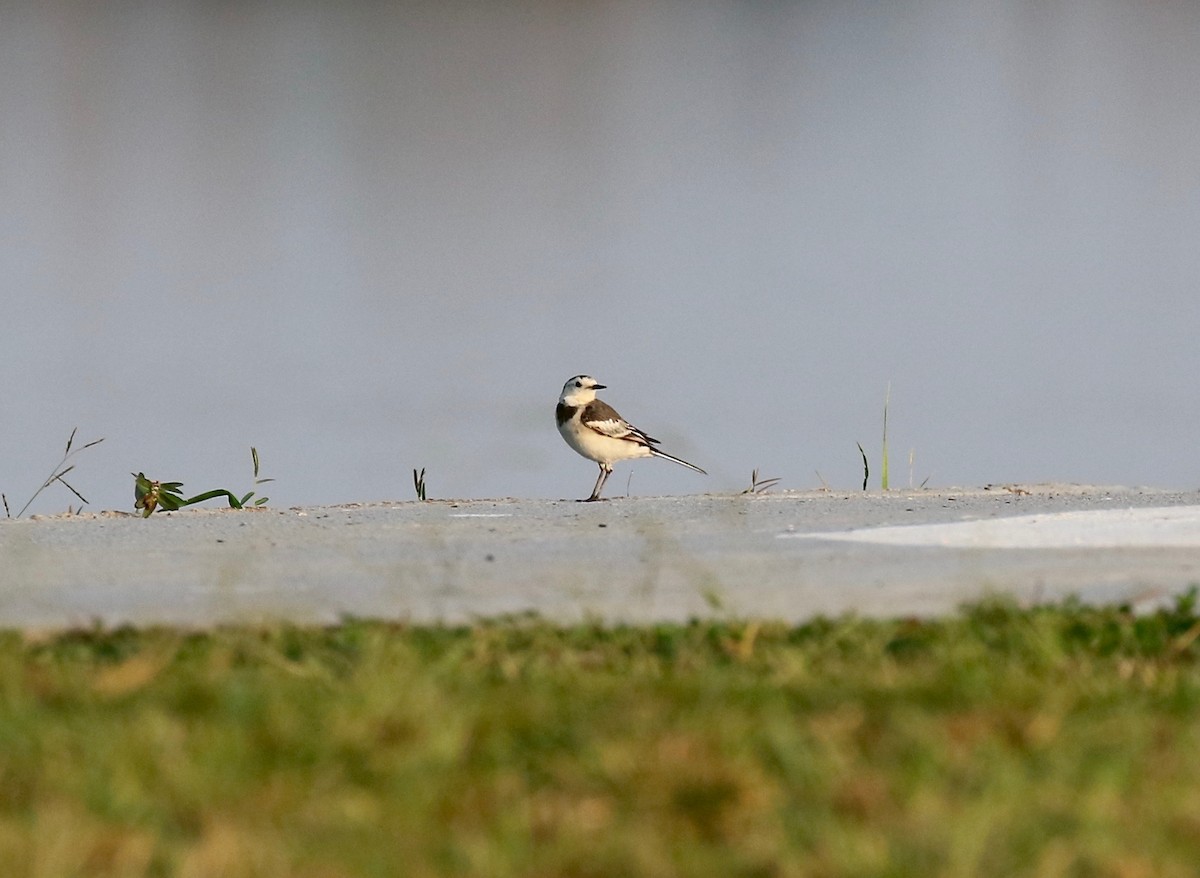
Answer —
(594, 429)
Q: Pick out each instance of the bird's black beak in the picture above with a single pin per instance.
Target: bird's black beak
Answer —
(599, 387)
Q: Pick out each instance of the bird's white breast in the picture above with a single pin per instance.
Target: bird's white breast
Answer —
(597, 447)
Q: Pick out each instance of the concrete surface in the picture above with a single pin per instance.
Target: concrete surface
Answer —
(781, 555)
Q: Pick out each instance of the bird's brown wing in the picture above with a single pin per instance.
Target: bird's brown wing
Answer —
(603, 418)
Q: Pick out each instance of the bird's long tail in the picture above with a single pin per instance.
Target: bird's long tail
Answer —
(678, 460)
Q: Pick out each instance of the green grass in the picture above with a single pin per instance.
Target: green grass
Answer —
(883, 473)
(1055, 741)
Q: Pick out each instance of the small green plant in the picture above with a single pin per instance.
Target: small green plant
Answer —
(149, 495)
(883, 472)
(419, 483)
(759, 486)
(261, 501)
(56, 475)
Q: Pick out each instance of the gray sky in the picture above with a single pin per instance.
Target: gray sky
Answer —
(370, 237)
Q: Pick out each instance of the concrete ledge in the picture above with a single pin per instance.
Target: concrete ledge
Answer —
(787, 555)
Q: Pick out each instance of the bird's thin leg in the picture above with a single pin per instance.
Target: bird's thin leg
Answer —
(604, 471)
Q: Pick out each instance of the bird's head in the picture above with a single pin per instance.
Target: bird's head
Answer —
(580, 390)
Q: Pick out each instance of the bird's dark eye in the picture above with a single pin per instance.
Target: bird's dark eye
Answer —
(579, 384)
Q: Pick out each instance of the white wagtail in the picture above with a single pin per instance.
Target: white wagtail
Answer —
(595, 430)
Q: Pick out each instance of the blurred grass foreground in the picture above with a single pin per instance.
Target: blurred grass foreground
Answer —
(1053, 741)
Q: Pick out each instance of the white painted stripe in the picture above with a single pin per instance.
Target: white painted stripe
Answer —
(1162, 527)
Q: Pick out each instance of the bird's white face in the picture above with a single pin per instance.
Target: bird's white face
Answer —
(580, 390)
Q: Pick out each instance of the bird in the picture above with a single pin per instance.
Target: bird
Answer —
(594, 429)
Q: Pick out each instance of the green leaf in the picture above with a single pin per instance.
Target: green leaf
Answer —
(170, 502)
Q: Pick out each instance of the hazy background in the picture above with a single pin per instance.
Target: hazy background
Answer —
(367, 237)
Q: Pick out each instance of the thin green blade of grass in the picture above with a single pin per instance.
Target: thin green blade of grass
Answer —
(883, 473)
